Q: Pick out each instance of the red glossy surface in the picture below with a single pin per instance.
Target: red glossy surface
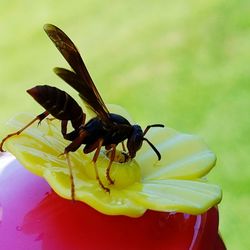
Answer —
(33, 217)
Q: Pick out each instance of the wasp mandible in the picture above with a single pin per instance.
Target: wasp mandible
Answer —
(104, 130)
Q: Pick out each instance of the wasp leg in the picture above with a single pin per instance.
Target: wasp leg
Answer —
(64, 125)
(112, 157)
(73, 146)
(76, 143)
(97, 145)
(39, 118)
(72, 184)
(123, 147)
(68, 136)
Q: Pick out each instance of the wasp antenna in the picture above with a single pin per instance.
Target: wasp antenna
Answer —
(154, 148)
(152, 126)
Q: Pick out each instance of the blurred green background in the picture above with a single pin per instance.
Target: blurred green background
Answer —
(182, 63)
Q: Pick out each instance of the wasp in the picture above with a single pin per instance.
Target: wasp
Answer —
(104, 130)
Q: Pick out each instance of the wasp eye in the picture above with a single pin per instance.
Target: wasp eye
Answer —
(134, 144)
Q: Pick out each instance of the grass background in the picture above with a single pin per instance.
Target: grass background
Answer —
(182, 63)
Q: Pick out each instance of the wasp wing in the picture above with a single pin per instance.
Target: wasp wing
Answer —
(80, 79)
(90, 99)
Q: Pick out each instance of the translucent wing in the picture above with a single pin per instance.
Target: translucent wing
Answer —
(80, 79)
(87, 95)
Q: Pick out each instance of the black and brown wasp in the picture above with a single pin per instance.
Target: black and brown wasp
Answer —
(106, 129)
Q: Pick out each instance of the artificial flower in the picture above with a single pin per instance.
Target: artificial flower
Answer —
(176, 183)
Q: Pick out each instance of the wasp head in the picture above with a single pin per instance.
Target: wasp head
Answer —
(136, 139)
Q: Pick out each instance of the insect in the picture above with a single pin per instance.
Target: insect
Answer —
(104, 130)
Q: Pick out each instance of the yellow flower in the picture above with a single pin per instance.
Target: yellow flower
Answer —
(175, 183)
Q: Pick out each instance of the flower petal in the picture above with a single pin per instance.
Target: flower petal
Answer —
(115, 203)
(192, 197)
(183, 156)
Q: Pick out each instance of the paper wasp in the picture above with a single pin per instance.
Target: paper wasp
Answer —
(106, 129)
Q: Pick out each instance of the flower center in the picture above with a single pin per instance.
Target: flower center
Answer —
(124, 171)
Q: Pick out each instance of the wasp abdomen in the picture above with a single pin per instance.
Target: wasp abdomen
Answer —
(58, 103)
